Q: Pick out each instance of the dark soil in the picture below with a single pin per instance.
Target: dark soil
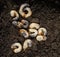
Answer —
(46, 13)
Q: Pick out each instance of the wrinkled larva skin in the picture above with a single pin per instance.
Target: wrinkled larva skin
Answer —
(29, 12)
(42, 31)
(41, 38)
(24, 33)
(25, 23)
(34, 25)
(33, 32)
(14, 14)
(17, 47)
(41, 34)
(27, 43)
(22, 13)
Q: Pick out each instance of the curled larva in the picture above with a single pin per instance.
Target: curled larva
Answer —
(18, 24)
(24, 33)
(14, 14)
(33, 32)
(41, 38)
(23, 14)
(25, 23)
(17, 47)
(42, 31)
(34, 25)
(27, 44)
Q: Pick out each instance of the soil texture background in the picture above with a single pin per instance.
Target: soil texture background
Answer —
(46, 13)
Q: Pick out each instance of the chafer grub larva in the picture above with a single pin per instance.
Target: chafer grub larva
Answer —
(25, 23)
(42, 31)
(27, 44)
(41, 38)
(17, 47)
(29, 12)
(18, 24)
(34, 25)
(33, 32)
(24, 33)
(14, 14)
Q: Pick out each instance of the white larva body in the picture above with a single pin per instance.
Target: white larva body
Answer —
(23, 14)
(42, 31)
(27, 43)
(33, 32)
(41, 38)
(29, 12)
(25, 23)
(24, 33)
(14, 14)
(34, 25)
(17, 47)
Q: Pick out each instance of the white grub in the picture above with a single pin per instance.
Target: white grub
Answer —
(34, 25)
(41, 38)
(33, 32)
(17, 47)
(18, 24)
(24, 33)
(14, 14)
(27, 44)
(23, 14)
(42, 31)
(25, 23)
